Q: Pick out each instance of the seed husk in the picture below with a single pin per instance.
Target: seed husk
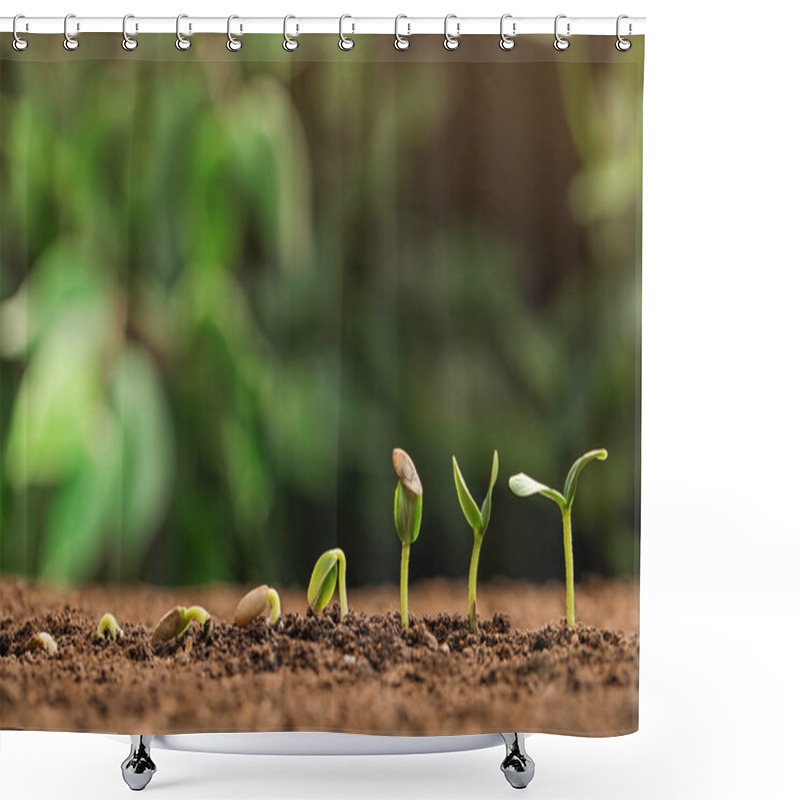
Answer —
(253, 604)
(406, 471)
(172, 624)
(43, 641)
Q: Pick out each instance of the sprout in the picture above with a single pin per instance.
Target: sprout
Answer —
(177, 620)
(523, 486)
(254, 603)
(323, 581)
(43, 641)
(407, 517)
(108, 625)
(479, 520)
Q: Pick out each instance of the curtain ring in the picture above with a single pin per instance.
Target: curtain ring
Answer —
(70, 42)
(234, 44)
(623, 45)
(290, 44)
(345, 42)
(181, 42)
(451, 42)
(128, 42)
(507, 42)
(19, 44)
(401, 42)
(560, 42)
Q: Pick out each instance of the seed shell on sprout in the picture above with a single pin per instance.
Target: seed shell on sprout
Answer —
(43, 641)
(251, 606)
(406, 471)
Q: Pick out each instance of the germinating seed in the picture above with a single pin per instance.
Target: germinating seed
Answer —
(43, 641)
(170, 625)
(251, 606)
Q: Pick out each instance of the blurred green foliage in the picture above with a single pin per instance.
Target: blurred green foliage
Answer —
(229, 288)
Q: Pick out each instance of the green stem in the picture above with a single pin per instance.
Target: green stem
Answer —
(404, 583)
(274, 607)
(342, 584)
(473, 582)
(566, 513)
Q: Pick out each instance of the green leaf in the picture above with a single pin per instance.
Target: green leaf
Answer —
(323, 581)
(524, 486)
(407, 513)
(468, 505)
(486, 508)
(571, 484)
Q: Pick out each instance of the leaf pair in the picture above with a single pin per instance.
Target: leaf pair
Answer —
(330, 566)
(477, 518)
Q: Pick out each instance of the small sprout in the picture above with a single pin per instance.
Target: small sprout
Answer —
(479, 520)
(524, 486)
(255, 603)
(43, 641)
(108, 626)
(323, 581)
(407, 517)
(177, 620)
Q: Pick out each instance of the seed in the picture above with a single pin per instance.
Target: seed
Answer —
(43, 641)
(251, 605)
(170, 625)
(406, 471)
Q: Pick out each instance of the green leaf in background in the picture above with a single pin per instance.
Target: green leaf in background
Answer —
(524, 486)
(571, 484)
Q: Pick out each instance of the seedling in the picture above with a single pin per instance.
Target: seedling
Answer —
(177, 620)
(407, 517)
(323, 581)
(108, 627)
(479, 520)
(523, 486)
(255, 603)
(43, 641)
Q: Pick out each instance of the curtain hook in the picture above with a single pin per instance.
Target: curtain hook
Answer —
(345, 42)
(182, 43)
(451, 42)
(70, 42)
(401, 42)
(623, 45)
(560, 42)
(290, 43)
(19, 44)
(234, 44)
(507, 42)
(128, 42)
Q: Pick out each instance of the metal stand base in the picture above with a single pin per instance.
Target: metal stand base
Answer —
(517, 766)
(138, 768)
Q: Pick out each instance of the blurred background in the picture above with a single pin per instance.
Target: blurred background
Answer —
(230, 286)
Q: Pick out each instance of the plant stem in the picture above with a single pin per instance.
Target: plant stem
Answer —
(473, 581)
(566, 514)
(404, 583)
(342, 585)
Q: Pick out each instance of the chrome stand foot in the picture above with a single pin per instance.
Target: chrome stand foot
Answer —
(517, 766)
(138, 768)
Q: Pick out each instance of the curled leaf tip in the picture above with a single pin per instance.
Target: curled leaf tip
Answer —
(406, 471)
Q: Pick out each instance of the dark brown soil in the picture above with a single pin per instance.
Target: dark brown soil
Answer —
(365, 675)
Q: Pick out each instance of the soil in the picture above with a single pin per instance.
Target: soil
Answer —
(523, 670)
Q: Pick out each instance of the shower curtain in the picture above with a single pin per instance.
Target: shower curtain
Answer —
(255, 307)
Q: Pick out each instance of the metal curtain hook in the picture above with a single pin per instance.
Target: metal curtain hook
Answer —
(234, 44)
(128, 42)
(70, 42)
(181, 42)
(451, 42)
(507, 42)
(623, 45)
(19, 44)
(345, 42)
(560, 42)
(290, 44)
(401, 42)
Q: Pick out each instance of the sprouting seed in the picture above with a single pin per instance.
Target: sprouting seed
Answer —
(254, 603)
(323, 581)
(43, 641)
(407, 517)
(177, 620)
(524, 486)
(108, 626)
(479, 520)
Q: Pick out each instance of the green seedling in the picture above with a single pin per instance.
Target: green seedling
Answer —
(108, 627)
(323, 581)
(524, 486)
(255, 603)
(177, 620)
(407, 517)
(479, 520)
